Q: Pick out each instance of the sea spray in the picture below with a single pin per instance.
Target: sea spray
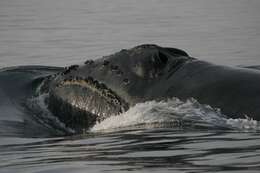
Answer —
(177, 113)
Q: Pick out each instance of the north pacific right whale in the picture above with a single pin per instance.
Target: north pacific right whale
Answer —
(82, 95)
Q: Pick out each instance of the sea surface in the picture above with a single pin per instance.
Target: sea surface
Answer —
(167, 136)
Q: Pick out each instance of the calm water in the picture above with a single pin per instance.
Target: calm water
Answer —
(63, 32)
(162, 150)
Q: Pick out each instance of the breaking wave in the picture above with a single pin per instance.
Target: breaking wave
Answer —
(175, 113)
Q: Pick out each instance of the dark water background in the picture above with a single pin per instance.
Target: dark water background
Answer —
(64, 32)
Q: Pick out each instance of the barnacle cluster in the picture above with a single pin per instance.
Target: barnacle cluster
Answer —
(69, 69)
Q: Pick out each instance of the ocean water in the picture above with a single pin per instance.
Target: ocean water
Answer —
(169, 136)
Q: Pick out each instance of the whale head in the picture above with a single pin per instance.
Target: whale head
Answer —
(85, 94)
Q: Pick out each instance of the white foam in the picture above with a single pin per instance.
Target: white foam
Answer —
(245, 124)
(175, 110)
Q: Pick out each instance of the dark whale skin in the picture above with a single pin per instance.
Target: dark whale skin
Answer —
(82, 95)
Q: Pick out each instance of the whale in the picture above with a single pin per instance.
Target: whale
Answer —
(82, 95)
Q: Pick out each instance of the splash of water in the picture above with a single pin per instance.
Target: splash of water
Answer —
(177, 113)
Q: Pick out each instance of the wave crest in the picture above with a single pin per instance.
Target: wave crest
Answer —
(175, 113)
